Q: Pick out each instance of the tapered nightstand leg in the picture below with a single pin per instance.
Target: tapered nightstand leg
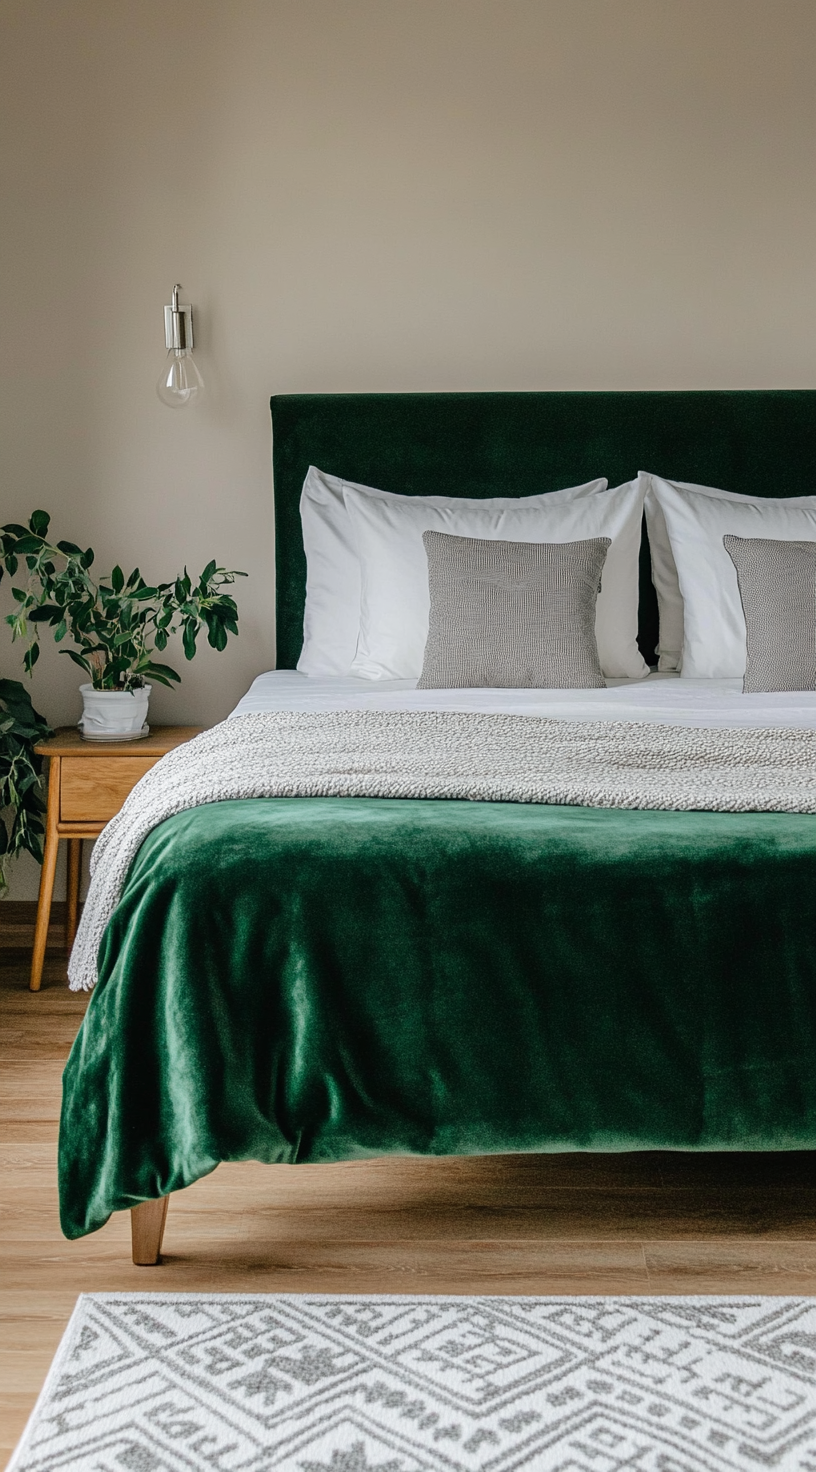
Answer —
(147, 1229)
(72, 893)
(46, 877)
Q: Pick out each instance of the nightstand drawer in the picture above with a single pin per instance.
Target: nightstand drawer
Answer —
(93, 789)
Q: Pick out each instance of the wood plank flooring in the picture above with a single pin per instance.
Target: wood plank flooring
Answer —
(515, 1224)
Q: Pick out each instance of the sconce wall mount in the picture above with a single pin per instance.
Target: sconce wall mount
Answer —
(180, 382)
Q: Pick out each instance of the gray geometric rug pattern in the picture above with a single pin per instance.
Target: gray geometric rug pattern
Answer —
(175, 1382)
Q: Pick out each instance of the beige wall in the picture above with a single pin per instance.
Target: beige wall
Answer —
(372, 194)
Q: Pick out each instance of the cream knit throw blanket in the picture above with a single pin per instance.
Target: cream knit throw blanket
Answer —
(448, 754)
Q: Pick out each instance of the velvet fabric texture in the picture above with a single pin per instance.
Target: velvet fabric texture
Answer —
(760, 442)
(324, 979)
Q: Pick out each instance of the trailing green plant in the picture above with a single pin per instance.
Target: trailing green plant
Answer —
(21, 802)
(117, 623)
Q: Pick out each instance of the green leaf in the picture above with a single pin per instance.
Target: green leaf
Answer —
(30, 657)
(15, 699)
(70, 549)
(188, 638)
(161, 672)
(28, 544)
(117, 579)
(77, 658)
(87, 557)
(39, 522)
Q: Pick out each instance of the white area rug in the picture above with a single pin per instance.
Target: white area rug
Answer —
(152, 1382)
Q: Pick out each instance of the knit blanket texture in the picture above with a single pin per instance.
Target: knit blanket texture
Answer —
(447, 754)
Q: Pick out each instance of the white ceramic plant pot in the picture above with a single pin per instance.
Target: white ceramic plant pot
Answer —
(114, 715)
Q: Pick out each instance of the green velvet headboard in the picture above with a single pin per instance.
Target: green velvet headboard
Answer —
(761, 442)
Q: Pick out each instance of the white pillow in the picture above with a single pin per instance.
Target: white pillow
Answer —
(331, 617)
(394, 601)
(702, 627)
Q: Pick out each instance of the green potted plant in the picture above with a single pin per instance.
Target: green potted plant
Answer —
(117, 624)
(21, 803)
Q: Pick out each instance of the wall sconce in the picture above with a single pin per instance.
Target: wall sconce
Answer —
(180, 381)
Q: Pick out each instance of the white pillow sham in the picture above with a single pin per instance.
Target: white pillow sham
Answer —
(331, 618)
(702, 626)
(394, 599)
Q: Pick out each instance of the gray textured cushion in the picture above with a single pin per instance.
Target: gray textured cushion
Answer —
(512, 614)
(777, 584)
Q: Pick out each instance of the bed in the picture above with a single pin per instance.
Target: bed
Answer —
(319, 978)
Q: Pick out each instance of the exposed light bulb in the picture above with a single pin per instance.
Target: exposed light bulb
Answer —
(180, 381)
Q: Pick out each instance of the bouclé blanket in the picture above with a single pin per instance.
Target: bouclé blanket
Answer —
(456, 755)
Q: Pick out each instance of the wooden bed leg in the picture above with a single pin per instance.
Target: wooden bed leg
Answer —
(146, 1230)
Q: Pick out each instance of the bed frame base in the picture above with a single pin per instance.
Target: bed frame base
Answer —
(146, 1230)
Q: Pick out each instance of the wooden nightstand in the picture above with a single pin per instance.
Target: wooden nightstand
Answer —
(87, 783)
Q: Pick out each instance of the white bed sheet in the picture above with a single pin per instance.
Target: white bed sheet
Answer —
(663, 698)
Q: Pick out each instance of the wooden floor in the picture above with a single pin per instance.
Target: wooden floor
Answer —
(524, 1224)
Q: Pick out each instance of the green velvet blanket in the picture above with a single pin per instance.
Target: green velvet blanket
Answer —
(329, 978)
